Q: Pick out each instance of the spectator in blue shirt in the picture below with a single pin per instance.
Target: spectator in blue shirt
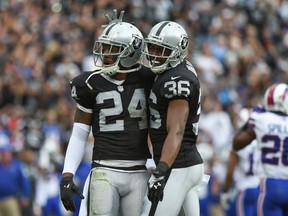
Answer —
(14, 185)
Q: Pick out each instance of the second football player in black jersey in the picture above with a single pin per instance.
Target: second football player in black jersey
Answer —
(174, 105)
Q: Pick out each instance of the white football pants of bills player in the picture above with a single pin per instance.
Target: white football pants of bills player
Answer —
(181, 190)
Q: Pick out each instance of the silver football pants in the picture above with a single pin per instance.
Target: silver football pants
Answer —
(114, 193)
(181, 190)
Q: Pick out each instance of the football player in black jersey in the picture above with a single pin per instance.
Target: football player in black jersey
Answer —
(174, 105)
(112, 101)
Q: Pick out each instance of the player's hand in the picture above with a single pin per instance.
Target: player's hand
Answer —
(226, 198)
(67, 189)
(157, 182)
(114, 18)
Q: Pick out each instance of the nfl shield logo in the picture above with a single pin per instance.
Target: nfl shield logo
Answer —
(120, 88)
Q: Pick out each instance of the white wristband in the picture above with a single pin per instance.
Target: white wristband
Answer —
(150, 164)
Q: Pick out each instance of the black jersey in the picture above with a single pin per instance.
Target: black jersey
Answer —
(180, 82)
(119, 108)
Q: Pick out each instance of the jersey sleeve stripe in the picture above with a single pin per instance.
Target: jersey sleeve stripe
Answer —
(84, 109)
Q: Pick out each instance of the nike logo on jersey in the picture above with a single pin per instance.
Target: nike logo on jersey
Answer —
(176, 77)
(67, 186)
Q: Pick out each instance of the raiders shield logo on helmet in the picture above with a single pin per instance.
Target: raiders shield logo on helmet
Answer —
(137, 43)
(184, 43)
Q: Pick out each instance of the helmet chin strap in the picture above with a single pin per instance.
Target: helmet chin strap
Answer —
(160, 69)
(110, 71)
(129, 70)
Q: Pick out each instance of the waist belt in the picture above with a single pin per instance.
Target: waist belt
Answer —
(133, 168)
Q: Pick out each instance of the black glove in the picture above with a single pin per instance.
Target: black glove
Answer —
(67, 189)
(157, 182)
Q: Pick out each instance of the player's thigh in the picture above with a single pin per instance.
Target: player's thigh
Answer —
(191, 204)
(84, 202)
(103, 194)
(132, 201)
(180, 182)
(246, 201)
(272, 197)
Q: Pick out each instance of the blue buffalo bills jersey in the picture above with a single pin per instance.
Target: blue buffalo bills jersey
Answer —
(180, 82)
(120, 113)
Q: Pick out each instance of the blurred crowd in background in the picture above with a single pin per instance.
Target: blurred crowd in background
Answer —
(238, 47)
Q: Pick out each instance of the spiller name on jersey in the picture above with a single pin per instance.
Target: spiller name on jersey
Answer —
(278, 128)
